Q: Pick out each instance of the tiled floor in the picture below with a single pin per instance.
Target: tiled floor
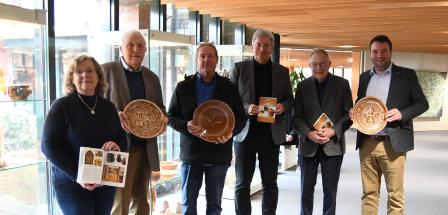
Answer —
(426, 182)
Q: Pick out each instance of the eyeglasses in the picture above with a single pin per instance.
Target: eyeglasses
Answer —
(321, 64)
(200, 44)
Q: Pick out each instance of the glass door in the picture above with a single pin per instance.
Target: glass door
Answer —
(23, 102)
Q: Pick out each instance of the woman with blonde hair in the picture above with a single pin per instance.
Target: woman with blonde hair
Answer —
(82, 118)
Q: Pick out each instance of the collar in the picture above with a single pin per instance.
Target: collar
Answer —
(388, 70)
(127, 67)
(325, 80)
(199, 77)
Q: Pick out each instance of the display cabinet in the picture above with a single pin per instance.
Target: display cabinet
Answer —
(229, 55)
(23, 104)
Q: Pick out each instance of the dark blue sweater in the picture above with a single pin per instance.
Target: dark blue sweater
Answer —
(69, 125)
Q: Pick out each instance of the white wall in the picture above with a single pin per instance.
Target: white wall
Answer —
(426, 61)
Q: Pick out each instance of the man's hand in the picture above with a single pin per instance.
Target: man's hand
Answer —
(393, 115)
(279, 109)
(193, 129)
(327, 132)
(110, 146)
(350, 114)
(123, 121)
(253, 109)
(289, 138)
(317, 137)
(222, 140)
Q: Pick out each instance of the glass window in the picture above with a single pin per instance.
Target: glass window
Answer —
(22, 111)
(228, 35)
(248, 35)
(204, 19)
(72, 30)
(177, 20)
(129, 14)
(29, 4)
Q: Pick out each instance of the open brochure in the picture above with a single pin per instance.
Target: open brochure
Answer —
(267, 107)
(323, 122)
(102, 167)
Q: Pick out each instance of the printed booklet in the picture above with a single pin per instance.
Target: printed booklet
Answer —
(102, 167)
(323, 122)
(267, 107)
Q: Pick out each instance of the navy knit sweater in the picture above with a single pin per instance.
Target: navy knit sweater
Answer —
(69, 125)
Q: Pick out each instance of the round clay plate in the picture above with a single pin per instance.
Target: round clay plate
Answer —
(369, 115)
(215, 118)
(144, 119)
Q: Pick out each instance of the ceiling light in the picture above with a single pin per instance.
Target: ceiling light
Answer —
(347, 46)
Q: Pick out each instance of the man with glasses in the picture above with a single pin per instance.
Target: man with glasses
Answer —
(200, 158)
(255, 78)
(326, 99)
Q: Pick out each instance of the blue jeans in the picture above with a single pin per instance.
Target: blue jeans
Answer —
(192, 175)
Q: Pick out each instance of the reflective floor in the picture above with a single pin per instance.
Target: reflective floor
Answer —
(426, 182)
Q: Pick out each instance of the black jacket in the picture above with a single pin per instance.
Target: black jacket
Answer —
(181, 109)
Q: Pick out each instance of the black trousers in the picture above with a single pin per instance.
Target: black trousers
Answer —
(330, 170)
(246, 155)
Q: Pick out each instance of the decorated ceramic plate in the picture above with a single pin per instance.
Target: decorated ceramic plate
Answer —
(144, 119)
(369, 115)
(215, 118)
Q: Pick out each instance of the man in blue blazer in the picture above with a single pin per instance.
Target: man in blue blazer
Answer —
(255, 78)
(385, 152)
(323, 93)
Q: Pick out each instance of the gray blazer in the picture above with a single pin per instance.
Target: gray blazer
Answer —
(336, 103)
(119, 94)
(405, 94)
(243, 76)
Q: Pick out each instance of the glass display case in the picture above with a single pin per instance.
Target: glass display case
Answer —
(23, 104)
(229, 55)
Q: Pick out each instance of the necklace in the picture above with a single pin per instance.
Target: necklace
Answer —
(92, 110)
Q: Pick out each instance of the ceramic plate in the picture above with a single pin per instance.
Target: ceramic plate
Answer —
(215, 118)
(369, 115)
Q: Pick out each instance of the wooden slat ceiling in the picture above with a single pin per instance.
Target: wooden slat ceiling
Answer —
(415, 26)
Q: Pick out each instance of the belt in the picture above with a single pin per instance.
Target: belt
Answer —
(378, 138)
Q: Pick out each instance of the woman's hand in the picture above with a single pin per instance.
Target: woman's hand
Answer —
(110, 146)
(89, 187)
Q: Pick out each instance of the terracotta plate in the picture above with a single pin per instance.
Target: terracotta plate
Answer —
(215, 118)
(144, 118)
(369, 115)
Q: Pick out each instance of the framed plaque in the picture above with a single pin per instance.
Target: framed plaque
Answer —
(369, 115)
